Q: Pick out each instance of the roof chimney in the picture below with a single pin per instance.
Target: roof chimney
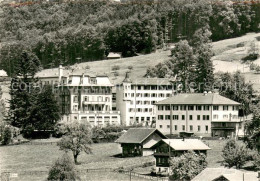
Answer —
(60, 72)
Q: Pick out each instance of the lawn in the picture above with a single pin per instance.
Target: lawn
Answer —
(32, 162)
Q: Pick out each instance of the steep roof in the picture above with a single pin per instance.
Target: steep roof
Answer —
(137, 135)
(186, 144)
(210, 174)
(199, 98)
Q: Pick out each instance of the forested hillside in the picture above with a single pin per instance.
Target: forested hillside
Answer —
(81, 31)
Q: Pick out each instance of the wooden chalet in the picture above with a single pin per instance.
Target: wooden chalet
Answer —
(167, 148)
(138, 141)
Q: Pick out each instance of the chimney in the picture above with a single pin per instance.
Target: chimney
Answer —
(60, 72)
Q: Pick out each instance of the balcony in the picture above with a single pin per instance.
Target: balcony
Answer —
(99, 112)
(94, 102)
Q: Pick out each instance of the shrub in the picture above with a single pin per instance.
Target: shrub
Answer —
(187, 166)
(115, 67)
(63, 169)
(234, 154)
(7, 135)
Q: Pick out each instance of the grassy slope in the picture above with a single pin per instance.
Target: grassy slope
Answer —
(227, 59)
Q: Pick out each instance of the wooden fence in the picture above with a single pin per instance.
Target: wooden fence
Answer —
(130, 174)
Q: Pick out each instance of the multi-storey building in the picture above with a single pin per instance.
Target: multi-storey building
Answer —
(136, 99)
(84, 97)
(204, 114)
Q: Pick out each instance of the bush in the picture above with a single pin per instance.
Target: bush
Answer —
(7, 135)
(115, 67)
(250, 57)
(234, 154)
(187, 166)
(63, 169)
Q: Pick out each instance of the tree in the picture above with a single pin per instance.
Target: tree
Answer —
(187, 166)
(97, 133)
(77, 138)
(204, 65)
(22, 90)
(7, 135)
(63, 170)
(45, 113)
(183, 63)
(234, 154)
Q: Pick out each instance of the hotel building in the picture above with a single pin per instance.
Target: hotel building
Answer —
(204, 114)
(83, 97)
(136, 99)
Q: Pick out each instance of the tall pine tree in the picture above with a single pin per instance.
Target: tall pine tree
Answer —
(22, 90)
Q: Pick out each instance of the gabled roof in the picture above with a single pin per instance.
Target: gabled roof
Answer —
(137, 135)
(211, 174)
(198, 98)
(184, 145)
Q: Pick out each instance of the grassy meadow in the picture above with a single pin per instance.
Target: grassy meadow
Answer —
(32, 162)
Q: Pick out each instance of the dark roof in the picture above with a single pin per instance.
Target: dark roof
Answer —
(137, 135)
(199, 98)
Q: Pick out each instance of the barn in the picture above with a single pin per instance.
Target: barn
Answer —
(138, 141)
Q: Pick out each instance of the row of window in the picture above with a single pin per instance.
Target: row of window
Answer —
(149, 87)
(92, 98)
(147, 95)
(142, 119)
(184, 128)
(182, 117)
(143, 102)
(140, 110)
(196, 107)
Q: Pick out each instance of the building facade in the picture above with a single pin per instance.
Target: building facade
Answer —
(83, 97)
(205, 114)
(136, 99)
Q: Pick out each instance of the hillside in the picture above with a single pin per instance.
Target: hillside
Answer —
(226, 59)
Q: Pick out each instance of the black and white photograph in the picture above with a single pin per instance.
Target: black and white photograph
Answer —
(129, 90)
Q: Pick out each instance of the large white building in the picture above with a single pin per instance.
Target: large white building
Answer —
(207, 114)
(83, 96)
(136, 99)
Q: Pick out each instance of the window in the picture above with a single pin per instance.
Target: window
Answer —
(215, 116)
(198, 128)
(207, 128)
(167, 108)
(190, 107)
(142, 118)
(150, 109)
(225, 116)
(183, 127)
(160, 117)
(167, 117)
(198, 117)
(183, 117)
(145, 109)
(154, 95)
(137, 119)
(175, 117)
(168, 95)
(132, 95)
(161, 95)
(205, 117)
(168, 126)
(75, 107)
(160, 126)
(175, 108)
(75, 117)
(198, 108)
(183, 107)
(139, 110)
(148, 118)
(191, 128)
(206, 107)
(191, 117)
(160, 108)
(86, 98)
(139, 87)
(125, 94)
(225, 108)
(75, 99)
(215, 108)
(175, 127)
